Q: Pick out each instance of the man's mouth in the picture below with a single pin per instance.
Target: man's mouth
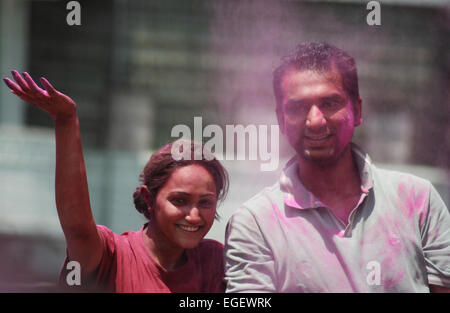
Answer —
(188, 228)
(318, 137)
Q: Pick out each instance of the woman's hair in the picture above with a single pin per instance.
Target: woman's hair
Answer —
(164, 162)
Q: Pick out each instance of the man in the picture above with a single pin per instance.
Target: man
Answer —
(334, 222)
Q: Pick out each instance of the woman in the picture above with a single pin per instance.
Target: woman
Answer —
(178, 197)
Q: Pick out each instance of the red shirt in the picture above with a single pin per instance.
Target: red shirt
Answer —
(127, 266)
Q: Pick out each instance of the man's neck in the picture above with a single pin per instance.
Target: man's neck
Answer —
(332, 181)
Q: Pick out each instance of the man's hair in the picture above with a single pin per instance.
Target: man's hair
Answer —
(321, 58)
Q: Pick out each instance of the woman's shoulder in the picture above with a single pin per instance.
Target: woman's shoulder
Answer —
(106, 231)
(209, 248)
(125, 241)
(208, 258)
(210, 244)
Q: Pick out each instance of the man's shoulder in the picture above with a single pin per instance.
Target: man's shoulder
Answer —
(265, 196)
(262, 202)
(400, 185)
(385, 176)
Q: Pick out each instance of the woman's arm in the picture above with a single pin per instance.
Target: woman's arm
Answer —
(71, 189)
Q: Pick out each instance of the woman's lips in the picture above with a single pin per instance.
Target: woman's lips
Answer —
(188, 228)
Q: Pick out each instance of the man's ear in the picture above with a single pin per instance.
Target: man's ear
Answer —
(145, 194)
(357, 112)
(280, 118)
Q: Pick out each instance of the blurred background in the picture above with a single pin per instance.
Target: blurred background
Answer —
(138, 68)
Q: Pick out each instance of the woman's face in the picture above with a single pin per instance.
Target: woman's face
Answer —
(185, 206)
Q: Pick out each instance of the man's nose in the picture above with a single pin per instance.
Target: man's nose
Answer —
(315, 120)
(193, 216)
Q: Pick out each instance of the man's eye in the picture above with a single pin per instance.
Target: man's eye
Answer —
(292, 109)
(295, 109)
(330, 104)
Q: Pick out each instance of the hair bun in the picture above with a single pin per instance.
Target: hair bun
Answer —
(139, 203)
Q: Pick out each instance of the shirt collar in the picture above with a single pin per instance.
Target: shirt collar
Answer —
(297, 196)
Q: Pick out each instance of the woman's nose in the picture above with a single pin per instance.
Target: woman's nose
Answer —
(193, 216)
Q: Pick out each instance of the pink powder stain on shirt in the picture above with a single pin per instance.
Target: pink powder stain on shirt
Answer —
(290, 223)
(422, 205)
(323, 230)
(422, 199)
(277, 216)
(291, 202)
(391, 265)
(391, 283)
(406, 199)
(394, 241)
(395, 250)
(414, 201)
(385, 238)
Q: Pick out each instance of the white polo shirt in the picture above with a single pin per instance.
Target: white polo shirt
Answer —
(285, 240)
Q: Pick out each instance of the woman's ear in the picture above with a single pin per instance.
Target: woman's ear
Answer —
(145, 194)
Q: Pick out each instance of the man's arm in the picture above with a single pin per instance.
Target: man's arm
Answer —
(249, 263)
(435, 232)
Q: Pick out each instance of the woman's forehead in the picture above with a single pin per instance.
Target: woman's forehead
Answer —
(192, 178)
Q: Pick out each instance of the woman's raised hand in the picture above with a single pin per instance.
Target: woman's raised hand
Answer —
(55, 103)
(71, 189)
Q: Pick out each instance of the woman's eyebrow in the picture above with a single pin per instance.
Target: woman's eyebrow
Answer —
(183, 193)
(180, 193)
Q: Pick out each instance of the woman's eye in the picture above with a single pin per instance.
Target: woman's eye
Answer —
(207, 204)
(178, 201)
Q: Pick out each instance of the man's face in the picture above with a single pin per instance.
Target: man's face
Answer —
(317, 115)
